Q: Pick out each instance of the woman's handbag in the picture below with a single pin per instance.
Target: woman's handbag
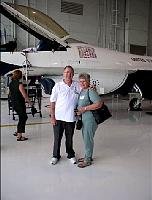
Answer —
(100, 114)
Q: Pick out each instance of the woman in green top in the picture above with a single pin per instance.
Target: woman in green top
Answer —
(89, 124)
(18, 97)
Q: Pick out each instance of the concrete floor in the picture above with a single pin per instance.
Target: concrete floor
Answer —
(122, 159)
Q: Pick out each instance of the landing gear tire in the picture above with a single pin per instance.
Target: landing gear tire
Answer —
(40, 114)
(135, 105)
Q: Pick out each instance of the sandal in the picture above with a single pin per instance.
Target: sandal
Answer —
(84, 164)
(22, 139)
(15, 134)
(82, 159)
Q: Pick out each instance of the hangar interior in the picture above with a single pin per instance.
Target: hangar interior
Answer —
(123, 144)
(122, 25)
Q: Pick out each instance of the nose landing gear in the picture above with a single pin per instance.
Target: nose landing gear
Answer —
(135, 104)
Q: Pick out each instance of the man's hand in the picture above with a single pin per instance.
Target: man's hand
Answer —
(52, 113)
(53, 121)
(93, 86)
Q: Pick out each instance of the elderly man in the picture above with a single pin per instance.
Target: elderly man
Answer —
(63, 101)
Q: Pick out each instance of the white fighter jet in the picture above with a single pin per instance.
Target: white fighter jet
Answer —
(111, 71)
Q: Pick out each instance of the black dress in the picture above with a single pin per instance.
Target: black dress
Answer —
(18, 104)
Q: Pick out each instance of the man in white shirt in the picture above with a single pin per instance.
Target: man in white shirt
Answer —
(63, 100)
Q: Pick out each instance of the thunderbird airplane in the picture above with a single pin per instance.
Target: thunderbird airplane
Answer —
(111, 71)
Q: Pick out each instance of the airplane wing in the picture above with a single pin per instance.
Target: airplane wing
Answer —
(35, 22)
(10, 46)
(6, 67)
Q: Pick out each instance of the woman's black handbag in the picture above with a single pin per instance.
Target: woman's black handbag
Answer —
(101, 114)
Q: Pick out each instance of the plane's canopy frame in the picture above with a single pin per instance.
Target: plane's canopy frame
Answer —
(35, 22)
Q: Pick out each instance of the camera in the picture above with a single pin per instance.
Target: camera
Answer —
(79, 124)
(76, 112)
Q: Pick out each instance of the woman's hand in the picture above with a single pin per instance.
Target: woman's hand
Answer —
(82, 110)
(25, 95)
(31, 103)
(93, 86)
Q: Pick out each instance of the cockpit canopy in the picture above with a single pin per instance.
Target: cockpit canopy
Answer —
(35, 22)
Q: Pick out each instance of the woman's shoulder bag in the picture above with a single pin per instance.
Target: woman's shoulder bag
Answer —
(100, 114)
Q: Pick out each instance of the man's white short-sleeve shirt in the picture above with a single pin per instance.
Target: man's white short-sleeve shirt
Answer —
(65, 98)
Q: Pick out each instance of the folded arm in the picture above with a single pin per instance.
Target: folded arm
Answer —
(93, 106)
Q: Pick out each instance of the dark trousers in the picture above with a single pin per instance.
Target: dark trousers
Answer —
(68, 127)
(21, 111)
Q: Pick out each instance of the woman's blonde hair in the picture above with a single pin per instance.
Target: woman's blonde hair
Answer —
(85, 76)
(17, 74)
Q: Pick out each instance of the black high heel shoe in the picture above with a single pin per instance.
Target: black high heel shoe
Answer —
(22, 138)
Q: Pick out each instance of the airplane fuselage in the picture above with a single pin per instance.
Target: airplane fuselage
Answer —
(108, 69)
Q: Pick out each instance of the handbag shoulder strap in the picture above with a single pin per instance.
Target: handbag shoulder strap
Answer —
(89, 97)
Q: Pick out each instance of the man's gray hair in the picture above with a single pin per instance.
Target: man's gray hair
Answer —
(68, 66)
(85, 76)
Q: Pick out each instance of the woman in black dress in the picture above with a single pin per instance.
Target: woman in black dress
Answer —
(18, 97)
